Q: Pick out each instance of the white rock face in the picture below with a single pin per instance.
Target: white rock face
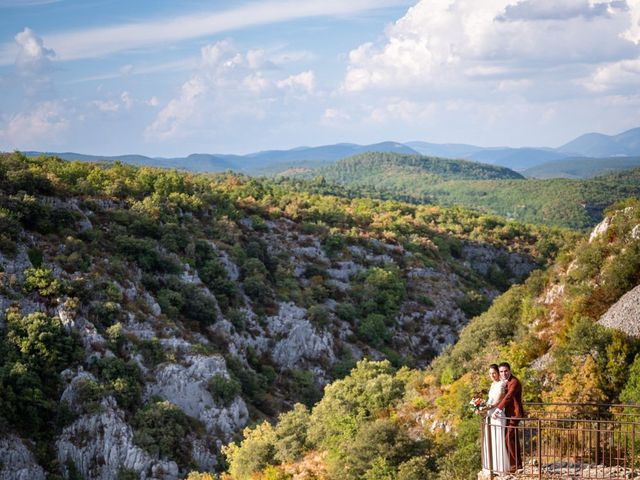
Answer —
(226, 262)
(16, 266)
(600, 229)
(186, 387)
(624, 315)
(301, 340)
(102, 444)
(16, 461)
(553, 294)
(635, 232)
(70, 395)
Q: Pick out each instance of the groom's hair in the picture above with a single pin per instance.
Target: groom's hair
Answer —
(505, 364)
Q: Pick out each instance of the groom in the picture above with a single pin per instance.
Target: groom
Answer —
(511, 405)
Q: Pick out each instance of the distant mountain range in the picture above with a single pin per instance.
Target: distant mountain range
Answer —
(607, 149)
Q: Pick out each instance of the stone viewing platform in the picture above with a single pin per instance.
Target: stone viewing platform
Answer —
(570, 441)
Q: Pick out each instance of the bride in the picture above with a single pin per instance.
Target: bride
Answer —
(495, 428)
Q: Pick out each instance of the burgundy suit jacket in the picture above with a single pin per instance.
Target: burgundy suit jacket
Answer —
(511, 403)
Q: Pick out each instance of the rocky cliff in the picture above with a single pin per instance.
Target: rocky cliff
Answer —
(196, 313)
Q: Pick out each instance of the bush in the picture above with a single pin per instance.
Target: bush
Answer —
(41, 280)
(291, 434)
(161, 428)
(224, 390)
(373, 330)
(254, 454)
(121, 379)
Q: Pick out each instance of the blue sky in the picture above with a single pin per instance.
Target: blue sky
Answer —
(169, 78)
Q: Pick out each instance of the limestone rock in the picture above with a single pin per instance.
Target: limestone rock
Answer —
(600, 229)
(16, 460)
(186, 387)
(624, 315)
(101, 444)
(301, 340)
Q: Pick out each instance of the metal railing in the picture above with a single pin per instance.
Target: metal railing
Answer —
(565, 441)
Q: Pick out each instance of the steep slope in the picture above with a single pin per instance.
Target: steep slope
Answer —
(382, 423)
(149, 315)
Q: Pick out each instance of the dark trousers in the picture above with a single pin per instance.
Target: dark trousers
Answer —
(513, 445)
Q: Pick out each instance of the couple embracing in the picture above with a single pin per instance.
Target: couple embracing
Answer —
(500, 444)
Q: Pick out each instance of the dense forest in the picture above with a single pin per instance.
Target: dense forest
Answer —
(561, 202)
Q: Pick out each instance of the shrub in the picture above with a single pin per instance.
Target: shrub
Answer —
(373, 330)
(121, 379)
(254, 454)
(161, 429)
(319, 316)
(291, 434)
(224, 390)
(41, 280)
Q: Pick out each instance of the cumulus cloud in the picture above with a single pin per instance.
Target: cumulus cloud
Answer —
(554, 10)
(439, 42)
(305, 81)
(33, 57)
(40, 125)
(33, 65)
(121, 102)
(633, 32)
(228, 84)
(618, 75)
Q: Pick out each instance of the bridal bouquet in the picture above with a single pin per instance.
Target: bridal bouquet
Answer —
(477, 404)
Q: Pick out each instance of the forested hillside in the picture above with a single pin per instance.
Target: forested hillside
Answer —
(569, 203)
(149, 315)
(570, 332)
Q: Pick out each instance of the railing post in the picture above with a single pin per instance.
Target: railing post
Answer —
(489, 446)
(633, 450)
(539, 445)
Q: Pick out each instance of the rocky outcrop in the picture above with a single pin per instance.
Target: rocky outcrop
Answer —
(600, 229)
(301, 341)
(482, 258)
(16, 460)
(624, 315)
(186, 387)
(100, 445)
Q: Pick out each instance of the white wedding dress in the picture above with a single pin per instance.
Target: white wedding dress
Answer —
(495, 428)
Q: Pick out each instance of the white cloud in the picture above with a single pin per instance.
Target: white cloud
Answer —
(335, 115)
(633, 32)
(44, 123)
(32, 57)
(442, 43)
(178, 111)
(229, 85)
(625, 73)
(101, 41)
(33, 65)
(121, 102)
(305, 81)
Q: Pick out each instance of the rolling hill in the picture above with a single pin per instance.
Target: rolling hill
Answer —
(600, 145)
(581, 167)
(561, 202)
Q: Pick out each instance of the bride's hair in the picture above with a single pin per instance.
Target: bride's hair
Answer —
(493, 366)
